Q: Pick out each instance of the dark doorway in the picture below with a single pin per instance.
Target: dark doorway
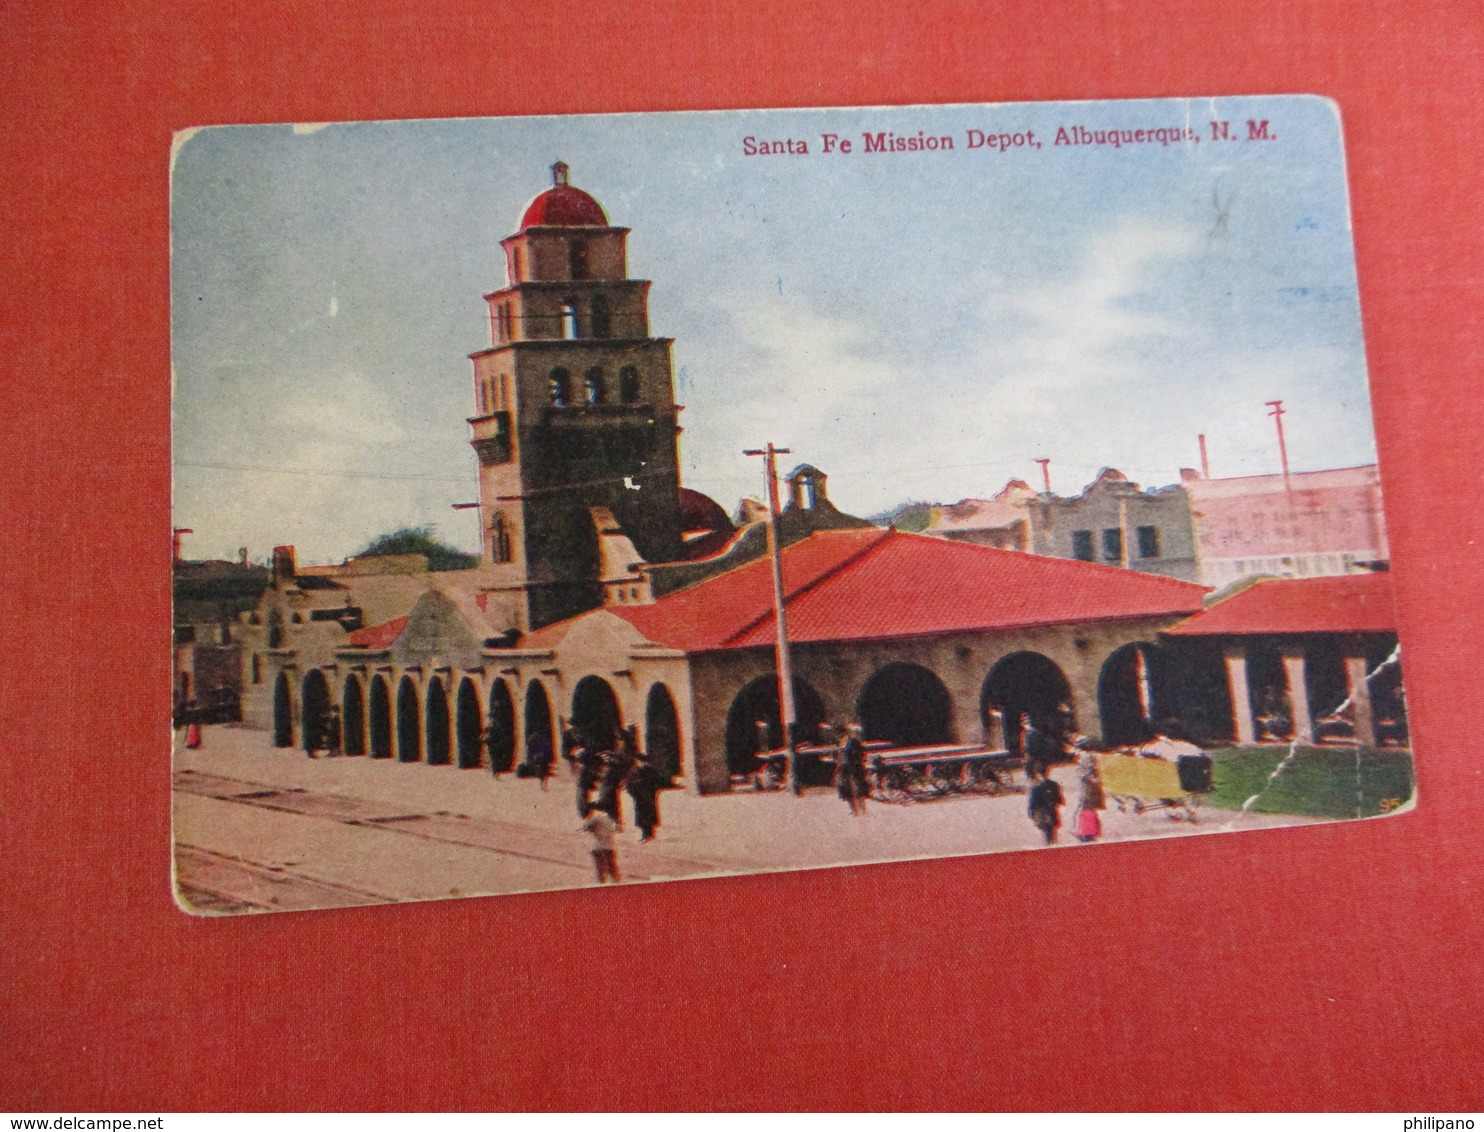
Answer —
(353, 717)
(662, 732)
(409, 723)
(499, 734)
(316, 709)
(754, 720)
(1027, 683)
(1388, 695)
(283, 712)
(381, 719)
(538, 720)
(1133, 698)
(1267, 686)
(1325, 677)
(595, 713)
(467, 724)
(439, 751)
(907, 705)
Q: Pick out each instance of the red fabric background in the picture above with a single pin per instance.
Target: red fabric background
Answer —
(1332, 967)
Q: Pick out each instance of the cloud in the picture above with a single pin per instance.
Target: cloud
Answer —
(339, 411)
(1089, 330)
(892, 414)
(1120, 359)
(321, 467)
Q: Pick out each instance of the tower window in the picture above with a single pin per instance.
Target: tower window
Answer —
(499, 538)
(561, 387)
(1148, 542)
(628, 385)
(594, 386)
(602, 323)
(481, 396)
(577, 259)
(518, 267)
(1112, 544)
(569, 318)
(1082, 546)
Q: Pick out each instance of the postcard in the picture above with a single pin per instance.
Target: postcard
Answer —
(580, 501)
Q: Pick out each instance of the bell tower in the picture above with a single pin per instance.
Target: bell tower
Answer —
(575, 409)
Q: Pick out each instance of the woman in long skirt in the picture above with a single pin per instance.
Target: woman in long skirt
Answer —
(1090, 800)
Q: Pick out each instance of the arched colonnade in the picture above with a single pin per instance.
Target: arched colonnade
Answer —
(908, 704)
(464, 719)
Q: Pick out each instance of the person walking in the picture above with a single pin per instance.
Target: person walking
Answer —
(1039, 748)
(850, 771)
(643, 785)
(571, 744)
(616, 766)
(605, 856)
(1091, 799)
(1044, 807)
(609, 778)
(589, 770)
(538, 757)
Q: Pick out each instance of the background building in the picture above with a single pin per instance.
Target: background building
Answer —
(1302, 525)
(1112, 521)
(210, 598)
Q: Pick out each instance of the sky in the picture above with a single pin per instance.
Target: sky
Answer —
(919, 325)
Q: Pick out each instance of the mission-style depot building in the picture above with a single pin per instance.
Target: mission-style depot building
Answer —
(609, 594)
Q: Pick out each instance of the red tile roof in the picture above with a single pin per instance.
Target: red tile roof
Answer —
(1352, 603)
(378, 636)
(877, 584)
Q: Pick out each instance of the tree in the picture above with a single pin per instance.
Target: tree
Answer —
(419, 540)
(915, 515)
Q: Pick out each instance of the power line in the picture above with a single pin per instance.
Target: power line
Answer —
(1006, 467)
(344, 474)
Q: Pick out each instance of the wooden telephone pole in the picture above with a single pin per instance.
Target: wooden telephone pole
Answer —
(788, 712)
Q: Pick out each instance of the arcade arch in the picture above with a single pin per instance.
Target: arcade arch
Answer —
(283, 712)
(409, 723)
(438, 727)
(467, 724)
(755, 719)
(1026, 683)
(353, 717)
(1132, 693)
(499, 728)
(907, 705)
(662, 731)
(595, 713)
(538, 717)
(316, 709)
(380, 721)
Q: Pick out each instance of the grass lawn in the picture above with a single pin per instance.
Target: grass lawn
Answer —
(1320, 782)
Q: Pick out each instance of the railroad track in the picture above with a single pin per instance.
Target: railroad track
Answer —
(219, 882)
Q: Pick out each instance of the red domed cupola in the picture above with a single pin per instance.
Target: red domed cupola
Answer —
(562, 206)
